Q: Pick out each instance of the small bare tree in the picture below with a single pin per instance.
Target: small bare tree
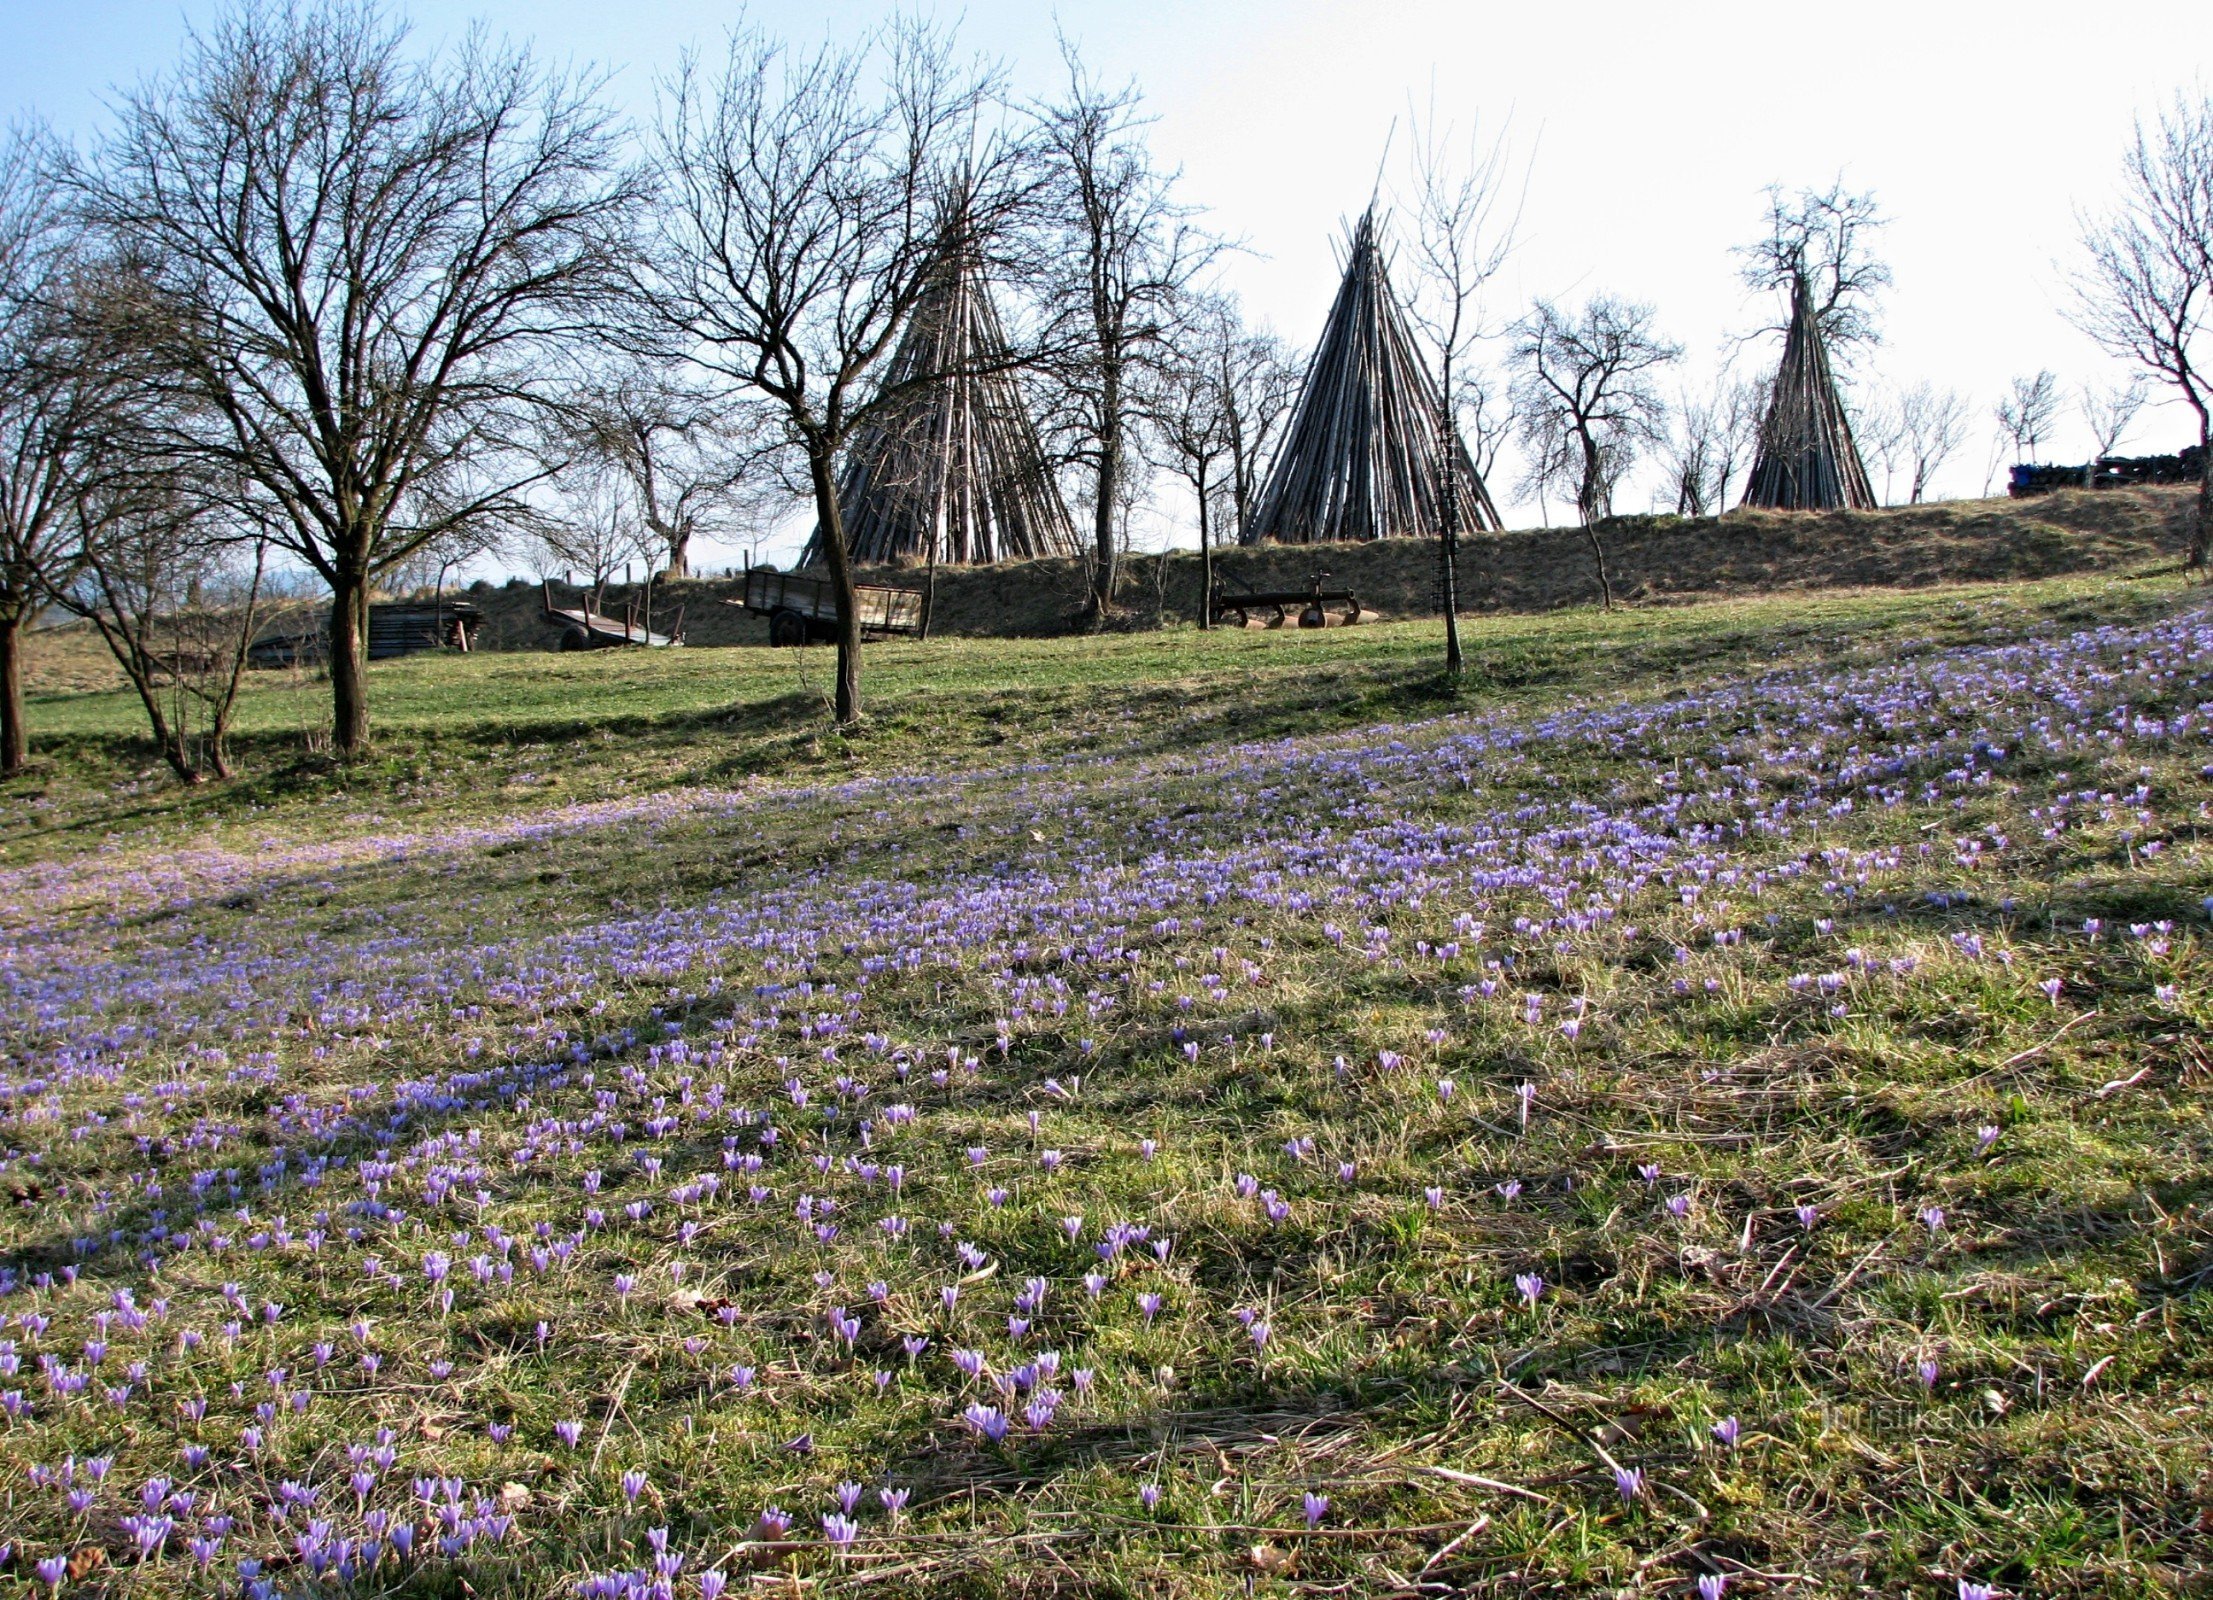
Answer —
(1484, 409)
(1933, 425)
(1588, 399)
(1463, 234)
(1259, 378)
(1192, 423)
(2108, 412)
(808, 200)
(1117, 254)
(1711, 437)
(356, 268)
(689, 460)
(2027, 412)
(588, 518)
(1881, 436)
(172, 583)
(2145, 290)
(56, 400)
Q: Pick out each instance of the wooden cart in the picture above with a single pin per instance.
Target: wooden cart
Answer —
(584, 627)
(802, 608)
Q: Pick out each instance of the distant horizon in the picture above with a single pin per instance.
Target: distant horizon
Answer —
(1981, 131)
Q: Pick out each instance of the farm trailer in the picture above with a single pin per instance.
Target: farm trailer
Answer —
(803, 609)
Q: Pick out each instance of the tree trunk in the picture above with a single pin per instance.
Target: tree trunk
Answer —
(1448, 543)
(1109, 491)
(15, 748)
(1586, 502)
(1206, 563)
(929, 588)
(349, 657)
(680, 554)
(2202, 535)
(820, 468)
(1598, 555)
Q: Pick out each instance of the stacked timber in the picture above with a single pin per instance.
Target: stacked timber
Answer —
(953, 471)
(1362, 457)
(396, 628)
(2109, 472)
(1807, 460)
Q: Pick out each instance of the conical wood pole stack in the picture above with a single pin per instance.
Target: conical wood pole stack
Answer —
(1807, 460)
(955, 473)
(1361, 459)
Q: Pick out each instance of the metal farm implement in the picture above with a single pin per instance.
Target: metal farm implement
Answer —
(1312, 607)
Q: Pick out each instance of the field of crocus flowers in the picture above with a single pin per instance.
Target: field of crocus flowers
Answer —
(1717, 1106)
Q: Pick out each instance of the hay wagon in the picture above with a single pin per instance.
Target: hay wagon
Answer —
(802, 608)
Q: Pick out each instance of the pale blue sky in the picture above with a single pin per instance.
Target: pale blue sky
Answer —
(1653, 127)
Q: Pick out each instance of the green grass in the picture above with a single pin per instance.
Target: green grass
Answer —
(451, 731)
(332, 932)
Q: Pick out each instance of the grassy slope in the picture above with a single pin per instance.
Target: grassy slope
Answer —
(2055, 1448)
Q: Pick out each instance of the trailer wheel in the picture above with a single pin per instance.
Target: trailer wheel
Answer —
(575, 638)
(786, 629)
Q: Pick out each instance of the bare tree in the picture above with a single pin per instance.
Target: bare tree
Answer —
(2027, 412)
(1219, 404)
(1588, 401)
(1879, 431)
(589, 518)
(1462, 236)
(1712, 436)
(1259, 378)
(1825, 238)
(688, 459)
(2108, 411)
(355, 266)
(1191, 420)
(2145, 291)
(809, 199)
(1933, 424)
(1483, 407)
(1117, 254)
(56, 397)
(173, 584)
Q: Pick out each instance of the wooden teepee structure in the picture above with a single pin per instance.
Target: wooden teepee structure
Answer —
(955, 472)
(1361, 457)
(1807, 460)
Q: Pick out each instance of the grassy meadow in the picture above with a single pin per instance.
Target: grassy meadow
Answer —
(1719, 1096)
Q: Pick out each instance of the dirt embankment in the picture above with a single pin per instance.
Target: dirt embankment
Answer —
(1647, 558)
